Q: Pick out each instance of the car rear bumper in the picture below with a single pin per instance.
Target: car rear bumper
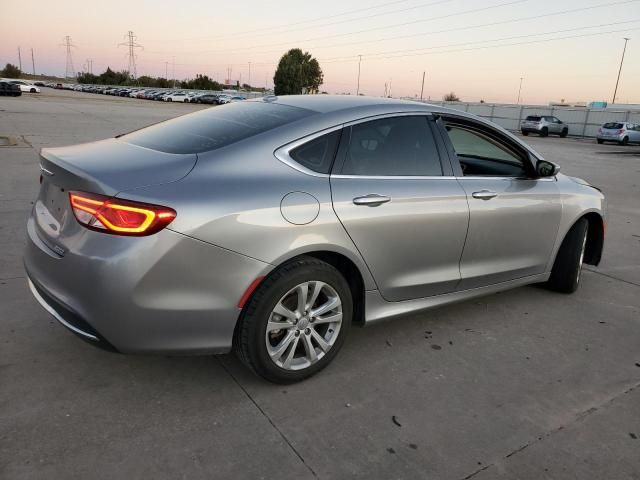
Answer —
(530, 128)
(610, 138)
(164, 293)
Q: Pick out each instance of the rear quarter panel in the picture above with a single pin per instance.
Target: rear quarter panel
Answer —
(232, 199)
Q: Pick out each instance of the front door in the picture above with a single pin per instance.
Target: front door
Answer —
(513, 216)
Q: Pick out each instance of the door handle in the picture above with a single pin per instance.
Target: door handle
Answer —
(484, 195)
(371, 200)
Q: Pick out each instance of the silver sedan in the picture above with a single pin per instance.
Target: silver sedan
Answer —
(271, 226)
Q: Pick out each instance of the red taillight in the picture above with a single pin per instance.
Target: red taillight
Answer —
(118, 216)
(621, 130)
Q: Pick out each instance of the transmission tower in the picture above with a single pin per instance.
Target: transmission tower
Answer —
(131, 43)
(69, 72)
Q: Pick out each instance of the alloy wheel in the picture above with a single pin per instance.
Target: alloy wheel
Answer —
(304, 325)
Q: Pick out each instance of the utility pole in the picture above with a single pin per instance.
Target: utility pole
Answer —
(358, 87)
(174, 71)
(131, 43)
(249, 81)
(519, 90)
(422, 89)
(33, 63)
(19, 59)
(390, 80)
(69, 71)
(166, 70)
(615, 92)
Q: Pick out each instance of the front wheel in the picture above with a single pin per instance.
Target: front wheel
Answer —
(625, 141)
(295, 322)
(33, 90)
(600, 141)
(567, 268)
(526, 134)
(564, 133)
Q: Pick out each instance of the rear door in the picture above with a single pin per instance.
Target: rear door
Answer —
(514, 216)
(401, 205)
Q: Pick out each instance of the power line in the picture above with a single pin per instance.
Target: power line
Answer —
(473, 42)
(301, 22)
(465, 27)
(384, 27)
(131, 43)
(485, 47)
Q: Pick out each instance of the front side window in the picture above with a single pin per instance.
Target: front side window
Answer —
(482, 155)
(394, 146)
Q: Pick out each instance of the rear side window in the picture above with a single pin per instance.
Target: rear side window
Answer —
(215, 128)
(394, 146)
(612, 126)
(532, 118)
(318, 154)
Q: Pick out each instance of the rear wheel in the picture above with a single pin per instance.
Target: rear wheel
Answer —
(33, 90)
(544, 132)
(600, 142)
(564, 133)
(567, 269)
(525, 133)
(295, 322)
(624, 141)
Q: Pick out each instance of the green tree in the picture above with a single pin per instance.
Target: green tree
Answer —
(451, 97)
(10, 71)
(297, 71)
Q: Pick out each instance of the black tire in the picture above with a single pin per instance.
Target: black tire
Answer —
(544, 132)
(525, 134)
(564, 133)
(567, 268)
(33, 90)
(600, 142)
(625, 141)
(250, 336)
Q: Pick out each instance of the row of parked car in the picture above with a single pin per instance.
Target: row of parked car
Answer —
(10, 86)
(166, 95)
(621, 133)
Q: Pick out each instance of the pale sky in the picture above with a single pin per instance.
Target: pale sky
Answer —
(478, 49)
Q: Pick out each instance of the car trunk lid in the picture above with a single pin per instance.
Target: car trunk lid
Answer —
(105, 167)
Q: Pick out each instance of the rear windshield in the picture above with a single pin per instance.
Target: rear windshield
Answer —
(532, 118)
(214, 127)
(612, 125)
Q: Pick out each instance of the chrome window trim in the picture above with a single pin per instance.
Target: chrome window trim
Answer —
(396, 177)
(489, 177)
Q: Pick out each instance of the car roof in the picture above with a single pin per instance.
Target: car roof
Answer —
(344, 108)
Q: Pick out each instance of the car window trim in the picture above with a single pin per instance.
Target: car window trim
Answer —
(346, 139)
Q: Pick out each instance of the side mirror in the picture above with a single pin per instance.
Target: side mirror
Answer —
(547, 169)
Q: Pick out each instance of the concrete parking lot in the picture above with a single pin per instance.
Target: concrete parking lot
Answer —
(526, 384)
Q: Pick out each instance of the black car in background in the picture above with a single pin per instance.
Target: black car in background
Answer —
(208, 98)
(8, 89)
